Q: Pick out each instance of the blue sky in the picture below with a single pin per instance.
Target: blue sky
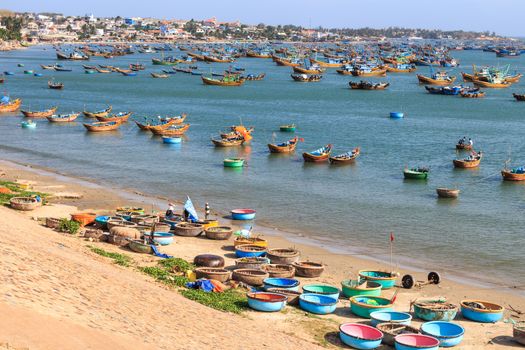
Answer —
(503, 16)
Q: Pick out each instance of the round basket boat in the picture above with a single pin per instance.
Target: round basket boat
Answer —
(126, 215)
(144, 219)
(352, 288)
(293, 296)
(261, 242)
(415, 342)
(120, 241)
(434, 310)
(519, 332)
(249, 250)
(208, 260)
(481, 311)
(283, 255)
(308, 269)
(251, 277)
(267, 302)
(243, 214)
(219, 232)
(213, 273)
(387, 280)
(279, 270)
(138, 246)
(129, 232)
(187, 229)
(162, 238)
(160, 227)
(317, 304)
(255, 262)
(172, 221)
(363, 306)
(24, 203)
(53, 222)
(84, 219)
(322, 289)
(120, 223)
(131, 209)
(101, 221)
(378, 317)
(360, 336)
(449, 334)
(283, 283)
(391, 330)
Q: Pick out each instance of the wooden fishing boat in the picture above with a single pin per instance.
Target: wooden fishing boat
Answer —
(173, 130)
(472, 94)
(467, 77)
(366, 85)
(120, 117)
(10, 106)
(471, 162)
(105, 71)
(224, 81)
(102, 126)
(519, 97)
(437, 80)
(513, 78)
(327, 64)
(55, 86)
(286, 62)
(514, 174)
(164, 124)
(47, 67)
(312, 70)
(447, 192)
(227, 142)
(394, 68)
(159, 75)
(320, 155)
(345, 158)
(101, 113)
(63, 118)
(304, 78)
(464, 146)
(416, 173)
(285, 147)
(369, 73)
(491, 85)
(222, 59)
(39, 114)
(255, 54)
(287, 128)
(252, 77)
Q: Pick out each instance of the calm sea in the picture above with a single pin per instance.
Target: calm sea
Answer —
(352, 207)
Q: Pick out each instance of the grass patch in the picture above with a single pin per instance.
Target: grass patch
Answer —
(17, 192)
(68, 226)
(119, 259)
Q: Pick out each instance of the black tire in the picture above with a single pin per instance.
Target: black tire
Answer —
(407, 282)
(434, 277)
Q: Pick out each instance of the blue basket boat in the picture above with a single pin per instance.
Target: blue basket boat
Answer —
(162, 238)
(243, 214)
(265, 301)
(448, 333)
(481, 311)
(317, 304)
(378, 317)
(416, 342)
(28, 125)
(360, 336)
(249, 251)
(102, 220)
(435, 310)
(282, 283)
(171, 140)
(37, 74)
(322, 289)
(364, 305)
(396, 115)
(387, 280)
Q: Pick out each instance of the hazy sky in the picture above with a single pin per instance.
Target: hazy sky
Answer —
(502, 16)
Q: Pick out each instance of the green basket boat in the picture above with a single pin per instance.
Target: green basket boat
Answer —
(351, 288)
(386, 279)
(287, 128)
(363, 306)
(233, 162)
(416, 173)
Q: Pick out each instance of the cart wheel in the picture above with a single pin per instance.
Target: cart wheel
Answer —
(434, 277)
(407, 281)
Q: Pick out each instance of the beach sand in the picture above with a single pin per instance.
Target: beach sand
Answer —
(58, 294)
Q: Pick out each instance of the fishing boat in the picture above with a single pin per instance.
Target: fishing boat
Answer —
(366, 85)
(137, 66)
(55, 85)
(159, 75)
(101, 113)
(74, 56)
(233, 162)
(63, 118)
(129, 74)
(227, 80)
(447, 192)
(330, 63)
(304, 78)
(439, 78)
(320, 155)
(62, 69)
(284, 147)
(345, 158)
(491, 84)
(47, 67)
(28, 71)
(368, 72)
(120, 117)
(400, 68)
(161, 123)
(470, 162)
(260, 54)
(29, 124)
(514, 174)
(419, 173)
(9, 106)
(102, 126)
(39, 114)
(472, 94)
(313, 69)
(519, 97)
(253, 77)
(172, 130)
(444, 90)
(287, 128)
(227, 142)
(463, 144)
(38, 74)
(2, 80)
(167, 61)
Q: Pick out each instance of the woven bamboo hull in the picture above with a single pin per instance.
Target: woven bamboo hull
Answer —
(140, 247)
(426, 80)
(487, 84)
(41, 114)
(466, 164)
(216, 82)
(123, 118)
(11, 107)
(98, 127)
(508, 176)
(447, 193)
(98, 114)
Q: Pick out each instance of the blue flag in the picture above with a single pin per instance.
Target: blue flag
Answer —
(191, 210)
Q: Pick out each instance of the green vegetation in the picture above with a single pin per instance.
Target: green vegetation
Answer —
(16, 192)
(68, 226)
(120, 259)
(12, 25)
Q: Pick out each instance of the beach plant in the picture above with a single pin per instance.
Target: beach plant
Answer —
(68, 226)
(119, 259)
(16, 191)
(231, 300)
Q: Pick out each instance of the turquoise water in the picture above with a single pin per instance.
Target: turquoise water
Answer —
(351, 207)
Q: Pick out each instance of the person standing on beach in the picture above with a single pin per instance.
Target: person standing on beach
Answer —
(170, 211)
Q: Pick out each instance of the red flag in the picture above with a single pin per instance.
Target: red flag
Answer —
(391, 236)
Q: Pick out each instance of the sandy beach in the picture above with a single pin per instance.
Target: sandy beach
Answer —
(56, 293)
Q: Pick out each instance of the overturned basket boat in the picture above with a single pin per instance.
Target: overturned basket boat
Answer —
(255, 262)
(24, 203)
(308, 269)
(251, 277)
(187, 229)
(213, 273)
(218, 232)
(279, 270)
(283, 255)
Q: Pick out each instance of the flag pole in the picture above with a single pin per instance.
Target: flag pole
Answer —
(391, 251)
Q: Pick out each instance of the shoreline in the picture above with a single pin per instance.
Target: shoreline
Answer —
(317, 247)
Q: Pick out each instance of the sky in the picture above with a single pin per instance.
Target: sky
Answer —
(503, 16)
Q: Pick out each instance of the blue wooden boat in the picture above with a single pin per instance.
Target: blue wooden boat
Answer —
(444, 90)
(243, 214)
(434, 310)
(317, 304)
(266, 302)
(378, 317)
(449, 334)
(281, 283)
(481, 311)
(195, 73)
(387, 280)
(249, 250)
(102, 220)
(360, 336)
(162, 238)
(396, 115)
(9, 73)
(352, 288)
(171, 140)
(363, 306)
(169, 71)
(322, 289)
(415, 342)
(129, 74)
(38, 74)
